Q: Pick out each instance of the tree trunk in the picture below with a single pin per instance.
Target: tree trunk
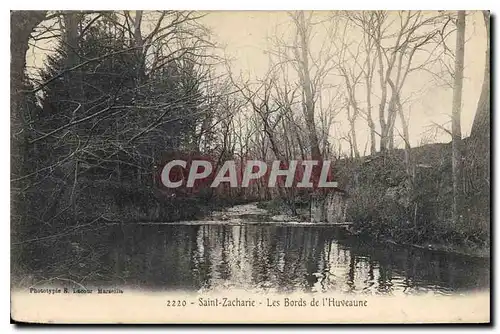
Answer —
(22, 24)
(455, 119)
(317, 205)
(481, 125)
(383, 100)
(369, 119)
(139, 44)
(391, 117)
(354, 141)
(307, 88)
(351, 102)
(477, 160)
(72, 20)
(406, 138)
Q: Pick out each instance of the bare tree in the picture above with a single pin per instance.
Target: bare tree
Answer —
(302, 57)
(457, 152)
(395, 61)
(310, 67)
(347, 69)
(365, 20)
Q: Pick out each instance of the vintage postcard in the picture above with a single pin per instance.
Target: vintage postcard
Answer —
(318, 167)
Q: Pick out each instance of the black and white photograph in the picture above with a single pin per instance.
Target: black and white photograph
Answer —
(172, 166)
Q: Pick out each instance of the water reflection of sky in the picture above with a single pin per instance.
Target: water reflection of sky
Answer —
(285, 259)
(258, 258)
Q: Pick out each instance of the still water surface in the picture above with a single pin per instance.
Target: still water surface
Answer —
(276, 259)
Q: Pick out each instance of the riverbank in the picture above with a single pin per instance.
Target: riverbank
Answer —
(275, 213)
(434, 244)
(390, 202)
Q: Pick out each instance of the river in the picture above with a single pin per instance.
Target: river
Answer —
(266, 257)
(283, 259)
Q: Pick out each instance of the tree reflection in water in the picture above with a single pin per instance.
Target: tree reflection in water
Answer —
(286, 259)
(259, 257)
